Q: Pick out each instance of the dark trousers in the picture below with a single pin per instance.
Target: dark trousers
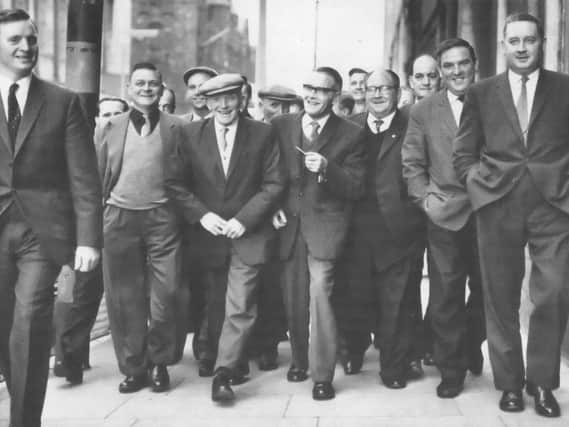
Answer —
(504, 228)
(145, 293)
(27, 280)
(458, 327)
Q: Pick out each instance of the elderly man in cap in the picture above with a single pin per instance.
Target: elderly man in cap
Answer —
(225, 177)
(193, 78)
(274, 101)
(358, 77)
(324, 162)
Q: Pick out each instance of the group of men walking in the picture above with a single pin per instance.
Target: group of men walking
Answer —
(331, 214)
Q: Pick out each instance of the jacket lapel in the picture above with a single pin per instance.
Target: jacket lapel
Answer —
(209, 141)
(31, 112)
(239, 144)
(4, 134)
(326, 134)
(445, 114)
(392, 135)
(541, 94)
(115, 146)
(505, 95)
(166, 126)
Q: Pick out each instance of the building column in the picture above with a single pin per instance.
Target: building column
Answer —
(553, 35)
(501, 13)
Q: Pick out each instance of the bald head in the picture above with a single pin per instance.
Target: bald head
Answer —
(424, 79)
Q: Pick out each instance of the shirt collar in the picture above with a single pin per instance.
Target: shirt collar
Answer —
(23, 83)
(137, 118)
(515, 78)
(452, 98)
(219, 127)
(306, 120)
(386, 121)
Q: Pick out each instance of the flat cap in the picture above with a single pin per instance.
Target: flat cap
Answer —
(278, 93)
(356, 70)
(222, 83)
(201, 69)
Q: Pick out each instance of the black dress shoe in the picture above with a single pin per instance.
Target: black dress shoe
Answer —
(267, 360)
(323, 391)
(205, 367)
(220, 389)
(59, 369)
(512, 401)
(545, 403)
(159, 379)
(395, 383)
(295, 375)
(238, 379)
(353, 363)
(449, 388)
(476, 362)
(415, 370)
(428, 359)
(74, 375)
(132, 384)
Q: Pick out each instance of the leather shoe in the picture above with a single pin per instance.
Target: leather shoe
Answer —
(353, 363)
(132, 383)
(512, 401)
(267, 360)
(545, 403)
(323, 391)
(220, 389)
(238, 379)
(395, 383)
(449, 388)
(205, 367)
(295, 375)
(59, 369)
(476, 362)
(159, 379)
(74, 374)
(415, 370)
(428, 359)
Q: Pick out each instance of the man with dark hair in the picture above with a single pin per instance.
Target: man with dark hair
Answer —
(511, 152)
(323, 157)
(381, 268)
(50, 211)
(167, 102)
(458, 328)
(344, 107)
(225, 177)
(142, 255)
(193, 78)
(357, 77)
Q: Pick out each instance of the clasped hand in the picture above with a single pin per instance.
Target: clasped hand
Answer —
(217, 226)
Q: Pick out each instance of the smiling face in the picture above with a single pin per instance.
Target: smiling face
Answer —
(194, 82)
(319, 94)
(457, 69)
(522, 47)
(382, 94)
(145, 88)
(358, 86)
(18, 48)
(270, 108)
(226, 106)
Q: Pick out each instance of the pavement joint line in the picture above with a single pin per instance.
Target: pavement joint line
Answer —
(287, 405)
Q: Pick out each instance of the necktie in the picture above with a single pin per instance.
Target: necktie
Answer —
(460, 98)
(224, 139)
(522, 107)
(314, 131)
(14, 115)
(378, 124)
(145, 129)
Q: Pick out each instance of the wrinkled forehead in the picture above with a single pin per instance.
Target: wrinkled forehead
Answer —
(380, 78)
(319, 79)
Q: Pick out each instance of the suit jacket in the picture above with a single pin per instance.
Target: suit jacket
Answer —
(404, 221)
(196, 183)
(320, 210)
(427, 163)
(489, 151)
(52, 173)
(110, 142)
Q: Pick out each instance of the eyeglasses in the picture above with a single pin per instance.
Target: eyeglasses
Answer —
(384, 90)
(318, 89)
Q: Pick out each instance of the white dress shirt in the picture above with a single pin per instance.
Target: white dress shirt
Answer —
(455, 105)
(21, 93)
(307, 127)
(385, 122)
(516, 87)
(225, 152)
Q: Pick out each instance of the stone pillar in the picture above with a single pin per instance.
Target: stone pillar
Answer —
(261, 53)
(553, 35)
(501, 13)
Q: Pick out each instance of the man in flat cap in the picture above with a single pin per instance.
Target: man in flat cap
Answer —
(225, 177)
(358, 77)
(274, 101)
(324, 163)
(193, 78)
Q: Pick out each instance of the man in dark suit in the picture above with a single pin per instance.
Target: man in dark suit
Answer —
(50, 210)
(382, 263)
(324, 160)
(453, 254)
(225, 177)
(142, 255)
(511, 151)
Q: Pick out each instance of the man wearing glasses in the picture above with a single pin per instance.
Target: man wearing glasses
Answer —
(382, 263)
(323, 156)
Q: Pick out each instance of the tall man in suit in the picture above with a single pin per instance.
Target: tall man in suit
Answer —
(225, 177)
(511, 151)
(50, 210)
(384, 253)
(324, 159)
(142, 255)
(458, 328)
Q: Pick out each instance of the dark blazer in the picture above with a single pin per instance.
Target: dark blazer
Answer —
(110, 143)
(196, 183)
(52, 173)
(321, 210)
(404, 221)
(427, 163)
(489, 151)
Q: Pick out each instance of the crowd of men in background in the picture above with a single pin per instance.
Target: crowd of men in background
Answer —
(310, 223)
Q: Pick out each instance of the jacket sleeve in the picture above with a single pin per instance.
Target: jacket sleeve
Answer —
(415, 158)
(469, 139)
